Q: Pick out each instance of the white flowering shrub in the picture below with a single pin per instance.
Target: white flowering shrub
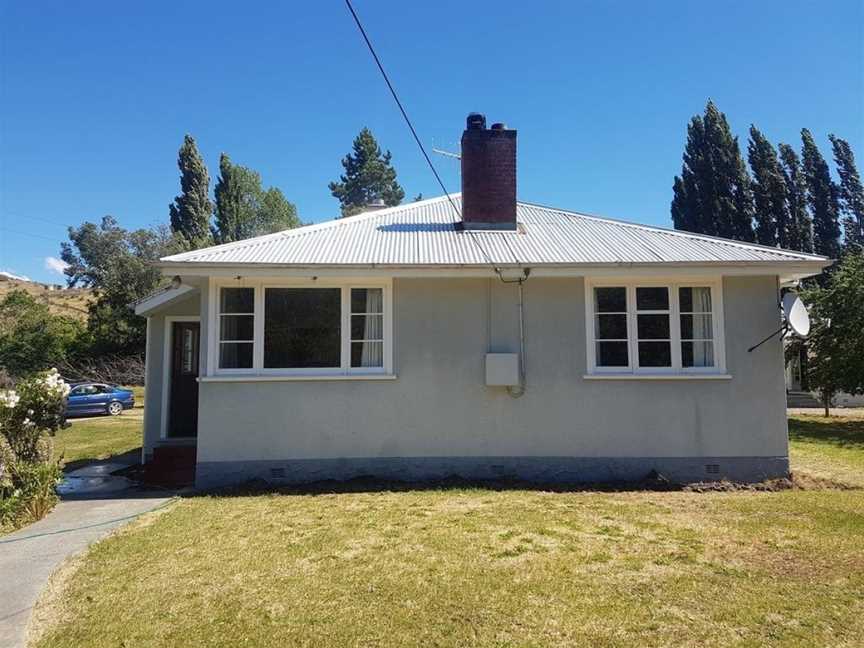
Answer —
(32, 412)
(29, 415)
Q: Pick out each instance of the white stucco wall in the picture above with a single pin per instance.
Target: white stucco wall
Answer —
(439, 406)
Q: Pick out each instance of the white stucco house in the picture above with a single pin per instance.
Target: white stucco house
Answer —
(471, 335)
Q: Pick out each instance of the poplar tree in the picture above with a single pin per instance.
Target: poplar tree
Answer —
(369, 176)
(712, 195)
(236, 200)
(800, 226)
(769, 192)
(244, 209)
(851, 192)
(190, 211)
(822, 198)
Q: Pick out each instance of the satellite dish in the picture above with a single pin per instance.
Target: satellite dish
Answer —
(797, 317)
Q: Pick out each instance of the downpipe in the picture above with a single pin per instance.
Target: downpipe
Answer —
(518, 392)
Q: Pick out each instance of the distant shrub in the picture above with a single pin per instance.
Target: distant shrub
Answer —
(32, 338)
(113, 369)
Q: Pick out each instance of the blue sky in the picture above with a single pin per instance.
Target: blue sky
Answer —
(95, 97)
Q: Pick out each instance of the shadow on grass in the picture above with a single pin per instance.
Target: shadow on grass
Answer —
(847, 434)
(652, 482)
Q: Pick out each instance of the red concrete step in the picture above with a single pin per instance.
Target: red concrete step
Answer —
(175, 456)
(169, 478)
(171, 466)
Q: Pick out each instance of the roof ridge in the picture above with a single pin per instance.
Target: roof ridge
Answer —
(682, 233)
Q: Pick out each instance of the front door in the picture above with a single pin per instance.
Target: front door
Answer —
(183, 407)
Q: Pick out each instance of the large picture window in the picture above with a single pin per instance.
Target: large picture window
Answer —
(302, 328)
(318, 329)
(654, 328)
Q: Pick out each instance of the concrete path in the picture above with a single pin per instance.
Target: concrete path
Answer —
(93, 502)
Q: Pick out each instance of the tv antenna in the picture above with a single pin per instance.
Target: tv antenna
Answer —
(446, 153)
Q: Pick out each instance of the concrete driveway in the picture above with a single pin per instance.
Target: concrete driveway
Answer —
(93, 502)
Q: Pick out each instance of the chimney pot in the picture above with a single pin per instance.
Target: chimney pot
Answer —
(476, 121)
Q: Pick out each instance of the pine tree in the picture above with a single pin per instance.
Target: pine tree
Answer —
(851, 192)
(822, 198)
(368, 176)
(800, 231)
(712, 195)
(244, 209)
(190, 212)
(769, 192)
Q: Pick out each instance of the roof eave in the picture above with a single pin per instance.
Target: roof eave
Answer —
(162, 298)
(800, 268)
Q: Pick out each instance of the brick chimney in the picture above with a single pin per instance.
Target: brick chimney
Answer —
(488, 175)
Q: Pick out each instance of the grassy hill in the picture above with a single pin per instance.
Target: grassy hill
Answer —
(71, 302)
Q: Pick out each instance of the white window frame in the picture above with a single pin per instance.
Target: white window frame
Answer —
(218, 329)
(715, 284)
(259, 286)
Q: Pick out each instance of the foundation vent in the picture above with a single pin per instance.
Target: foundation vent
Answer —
(712, 469)
(277, 473)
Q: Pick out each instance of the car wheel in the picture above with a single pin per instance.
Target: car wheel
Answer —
(115, 408)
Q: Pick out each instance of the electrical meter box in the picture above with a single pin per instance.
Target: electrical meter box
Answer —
(502, 369)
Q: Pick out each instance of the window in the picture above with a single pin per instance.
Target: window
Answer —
(653, 332)
(308, 327)
(654, 328)
(697, 330)
(367, 327)
(611, 327)
(302, 328)
(236, 327)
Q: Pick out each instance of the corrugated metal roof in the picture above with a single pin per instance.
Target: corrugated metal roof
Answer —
(424, 233)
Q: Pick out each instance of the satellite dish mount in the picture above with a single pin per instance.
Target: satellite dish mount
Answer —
(795, 319)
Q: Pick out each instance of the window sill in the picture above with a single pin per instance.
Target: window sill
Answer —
(293, 378)
(632, 376)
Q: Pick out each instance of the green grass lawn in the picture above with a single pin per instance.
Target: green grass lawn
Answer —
(484, 567)
(101, 437)
(829, 447)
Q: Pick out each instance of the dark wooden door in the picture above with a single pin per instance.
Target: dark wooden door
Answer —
(183, 408)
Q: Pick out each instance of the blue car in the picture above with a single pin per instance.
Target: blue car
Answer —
(98, 398)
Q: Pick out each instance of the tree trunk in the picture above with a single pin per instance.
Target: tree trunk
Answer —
(802, 358)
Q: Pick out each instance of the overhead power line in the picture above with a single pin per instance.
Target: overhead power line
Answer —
(524, 272)
(401, 108)
(416, 137)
